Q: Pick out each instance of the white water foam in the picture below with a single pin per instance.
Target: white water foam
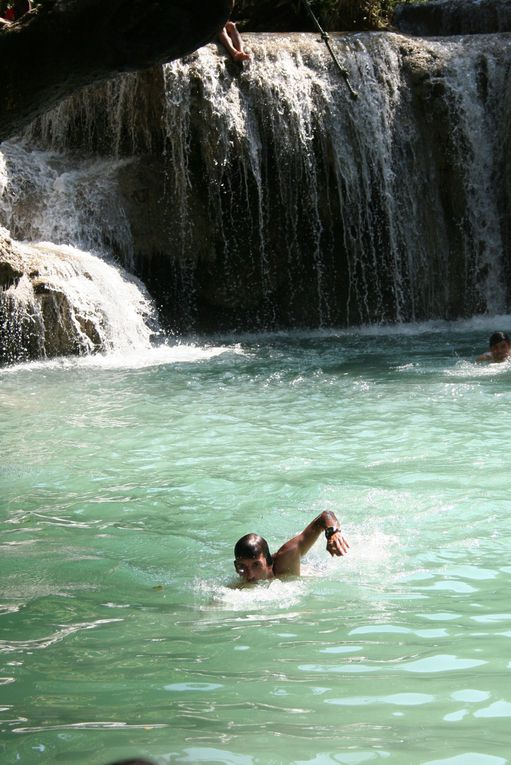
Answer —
(64, 199)
(275, 593)
(69, 215)
(98, 294)
(480, 323)
(161, 355)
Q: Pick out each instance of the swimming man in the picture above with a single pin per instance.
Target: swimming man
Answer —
(253, 560)
(500, 349)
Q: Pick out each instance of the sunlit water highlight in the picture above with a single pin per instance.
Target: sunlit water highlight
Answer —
(124, 483)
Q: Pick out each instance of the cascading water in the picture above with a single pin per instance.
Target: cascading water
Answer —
(64, 294)
(265, 196)
(69, 302)
(333, 211)
(63, 199)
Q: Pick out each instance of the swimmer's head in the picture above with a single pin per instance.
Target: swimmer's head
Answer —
(500, 346)
(253, 560)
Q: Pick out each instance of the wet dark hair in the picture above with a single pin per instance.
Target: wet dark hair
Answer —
(251, 546)
(498, 337)
(132, 762)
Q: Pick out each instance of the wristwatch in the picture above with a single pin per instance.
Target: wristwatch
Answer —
(330, 531)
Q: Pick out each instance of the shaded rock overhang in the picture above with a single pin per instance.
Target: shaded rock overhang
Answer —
(64, 45)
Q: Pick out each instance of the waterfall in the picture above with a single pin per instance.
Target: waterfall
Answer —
(327, 209)
(64, 199)
(264, 196)
(60, 298)
(62, 301)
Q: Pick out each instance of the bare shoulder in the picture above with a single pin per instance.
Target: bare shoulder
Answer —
(287, 559)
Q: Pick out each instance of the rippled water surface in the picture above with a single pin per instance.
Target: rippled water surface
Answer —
(124, 484)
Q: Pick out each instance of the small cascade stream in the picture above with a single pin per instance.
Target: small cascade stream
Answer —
(72, 302)
(67, 294)
(265, 197)
(64, 199)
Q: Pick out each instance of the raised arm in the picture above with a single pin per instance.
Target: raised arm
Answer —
(287, 559)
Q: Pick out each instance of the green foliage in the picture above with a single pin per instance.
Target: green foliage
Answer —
(362, 14)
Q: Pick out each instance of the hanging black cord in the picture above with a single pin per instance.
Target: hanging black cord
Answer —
(326, 39)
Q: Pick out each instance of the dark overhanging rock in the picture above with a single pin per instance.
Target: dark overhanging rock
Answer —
(64, 45)
(453, 17)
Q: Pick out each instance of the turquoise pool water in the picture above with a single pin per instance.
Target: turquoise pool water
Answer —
(124, 483)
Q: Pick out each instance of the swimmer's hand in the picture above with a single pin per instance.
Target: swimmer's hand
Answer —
(337, 544)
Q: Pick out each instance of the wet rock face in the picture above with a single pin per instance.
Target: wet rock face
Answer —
(454, 17)
(15, 334)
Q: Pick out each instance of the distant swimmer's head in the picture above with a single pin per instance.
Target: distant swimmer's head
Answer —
(253, 560)
(500, 346)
